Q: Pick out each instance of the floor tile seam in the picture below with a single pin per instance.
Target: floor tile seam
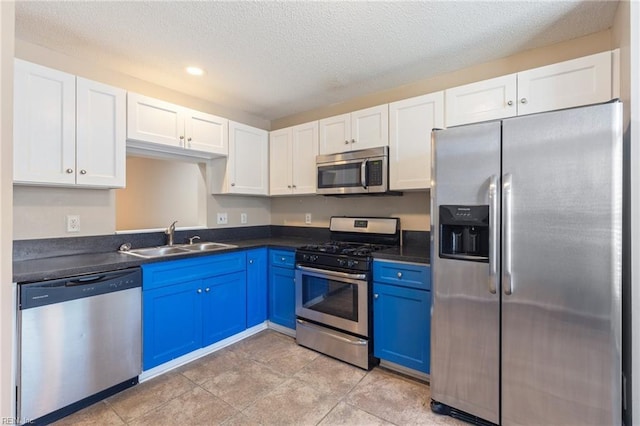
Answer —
(110, 407)
(161, 405)
(343, 399)
(370, 413)
(258, 398)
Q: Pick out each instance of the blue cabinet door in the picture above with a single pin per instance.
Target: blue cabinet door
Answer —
(282, 303)
(224, 306)
(172, 322)
(256, 286)
(402, 325)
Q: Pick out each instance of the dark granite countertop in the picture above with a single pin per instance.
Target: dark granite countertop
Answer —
(406, 253)
(47, 259)
(49, 268)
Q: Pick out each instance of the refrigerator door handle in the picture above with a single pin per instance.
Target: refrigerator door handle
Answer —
(493, 234)
(507, 189)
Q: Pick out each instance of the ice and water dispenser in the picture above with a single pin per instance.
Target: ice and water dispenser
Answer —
(464, 232)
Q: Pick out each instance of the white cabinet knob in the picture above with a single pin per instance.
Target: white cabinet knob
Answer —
(346, 142)
(353, 141)
(375, 296)
(83, 172)
(523, 100)
(199, 291)
(510, 103)
(250, 261)
(207, 289)
(399, 274)
(69, 171)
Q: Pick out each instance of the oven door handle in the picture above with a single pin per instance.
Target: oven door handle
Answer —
(332, 273)
(353, 341)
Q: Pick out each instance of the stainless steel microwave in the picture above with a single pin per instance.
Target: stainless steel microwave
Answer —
(356, 172)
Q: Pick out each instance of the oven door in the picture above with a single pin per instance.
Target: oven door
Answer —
(342, 177)
(333, 298)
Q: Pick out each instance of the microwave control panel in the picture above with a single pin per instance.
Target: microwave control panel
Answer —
(374, 173)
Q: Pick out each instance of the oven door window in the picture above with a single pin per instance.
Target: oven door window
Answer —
(330, 297)
(340, 175)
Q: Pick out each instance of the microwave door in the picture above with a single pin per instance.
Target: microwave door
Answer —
(342, 177)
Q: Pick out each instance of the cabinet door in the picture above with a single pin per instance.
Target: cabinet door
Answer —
(335, 134)
(401, 326)
(224, 306)
(206, 132)
(248, 163)
(154, 121)
(101, 135)
(282, 303)
(305, 150)
(256, 287)
(481, 101)
(567, 84)
(280, 162)
(172, 322)
(370, 127)
(44, 125)
(410, 125)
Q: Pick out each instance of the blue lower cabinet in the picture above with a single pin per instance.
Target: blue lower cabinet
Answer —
(282, 302)
(191, 303)
(256, 286)
(172, 322)
(402, 325)
(224, 306)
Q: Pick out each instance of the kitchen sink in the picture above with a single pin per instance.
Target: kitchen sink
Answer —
(206, 246)
(153, 252)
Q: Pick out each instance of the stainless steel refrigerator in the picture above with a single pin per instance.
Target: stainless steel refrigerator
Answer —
(527, 268)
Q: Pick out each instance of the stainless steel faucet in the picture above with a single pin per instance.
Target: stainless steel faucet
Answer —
(170, 231)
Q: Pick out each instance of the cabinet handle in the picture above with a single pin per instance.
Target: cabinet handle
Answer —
(233, 184)
(353, 141)
(510, 103)
(83, 172)
(375, 296)
(346, 142)
(199, 291)
(282, 259)
(69, 171)
(399, 274)
(294, 187)
(189, 140)
(289, 186)
(181, 138)
(207, 289)
(250, 261)
(523, 100)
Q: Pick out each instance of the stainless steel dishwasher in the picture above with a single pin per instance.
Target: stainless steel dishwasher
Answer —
(80, 340)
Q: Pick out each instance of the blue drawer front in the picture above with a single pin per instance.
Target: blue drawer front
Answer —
(403, 274)
(282, 258)
(161, 274)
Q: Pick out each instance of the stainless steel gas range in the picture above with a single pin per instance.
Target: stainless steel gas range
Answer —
(334, 288)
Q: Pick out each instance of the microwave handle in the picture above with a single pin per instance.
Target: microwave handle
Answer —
(363, 173)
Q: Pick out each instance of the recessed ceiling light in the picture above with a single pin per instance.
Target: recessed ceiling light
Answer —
(195, 70)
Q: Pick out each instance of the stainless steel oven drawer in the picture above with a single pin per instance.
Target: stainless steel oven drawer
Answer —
(345, 347)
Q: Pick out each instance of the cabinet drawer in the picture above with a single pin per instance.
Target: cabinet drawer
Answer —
(404, 274)
(282, 258)
(162, 274)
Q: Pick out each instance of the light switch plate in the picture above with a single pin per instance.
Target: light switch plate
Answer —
(243, 218)
(307, 218)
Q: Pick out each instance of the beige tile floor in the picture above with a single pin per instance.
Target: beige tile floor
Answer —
(267, 379)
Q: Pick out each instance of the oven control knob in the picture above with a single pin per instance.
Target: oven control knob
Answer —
(352, 263)
(341, 262)
(305, 257)
(313, 258)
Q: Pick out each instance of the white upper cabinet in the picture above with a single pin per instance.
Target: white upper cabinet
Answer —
(363, 129)
(410, 124)
(246, 169)
(481, 101)
(567, 84)
(292, 159)
(157, 125)
(68, 131)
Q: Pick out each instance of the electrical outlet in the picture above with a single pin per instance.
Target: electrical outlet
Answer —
(307, 218)
(243, 218)
(222, 219)
(73, 223)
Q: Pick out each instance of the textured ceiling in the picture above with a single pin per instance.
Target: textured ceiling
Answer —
(273, 58)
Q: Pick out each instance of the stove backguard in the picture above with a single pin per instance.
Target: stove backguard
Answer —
(464, 232)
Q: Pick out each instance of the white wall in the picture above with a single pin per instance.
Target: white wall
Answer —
(7, 291)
